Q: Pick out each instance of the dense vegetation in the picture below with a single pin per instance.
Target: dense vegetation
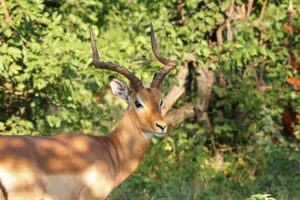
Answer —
(236, 81)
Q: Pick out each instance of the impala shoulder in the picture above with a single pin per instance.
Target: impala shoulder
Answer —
(77, 140)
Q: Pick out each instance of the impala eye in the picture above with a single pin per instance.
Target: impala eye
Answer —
(138, 104)
(161, 103)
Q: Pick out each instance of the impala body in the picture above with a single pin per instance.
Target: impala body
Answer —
(74, 166)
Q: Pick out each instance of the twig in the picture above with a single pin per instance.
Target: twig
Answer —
(262, 29)
(208, 6)
(181, 11)
(228, 21)
(23, 93)
(230, 148)
(213, 59)
(20, 35)
(290, 14)
(220, 36)
(193, 30)
(249, 8)
(257, 83)
(262, 70)
(54, 102)
(7, 17)
(19, 92)
(262, 12)
(241, 13)
(291, 11)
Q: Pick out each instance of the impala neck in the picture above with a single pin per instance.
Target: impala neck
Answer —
(132, 146)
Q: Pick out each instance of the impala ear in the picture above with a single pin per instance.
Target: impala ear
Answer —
(119, 88)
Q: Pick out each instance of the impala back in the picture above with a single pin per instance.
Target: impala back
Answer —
(62, 167)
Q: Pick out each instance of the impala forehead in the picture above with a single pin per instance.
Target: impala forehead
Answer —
(149, 96)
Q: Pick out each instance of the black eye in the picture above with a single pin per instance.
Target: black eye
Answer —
(161, 102)
(138, 104)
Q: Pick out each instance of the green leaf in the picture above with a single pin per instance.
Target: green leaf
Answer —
(227, 44)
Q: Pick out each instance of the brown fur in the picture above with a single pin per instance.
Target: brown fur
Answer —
(73, 166)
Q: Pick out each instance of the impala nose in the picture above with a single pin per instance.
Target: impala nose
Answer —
(162, 127)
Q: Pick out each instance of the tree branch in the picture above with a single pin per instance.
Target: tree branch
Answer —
(249, 8)
(176, 91)
(228, 21)
(183, 112)
(262, 12)
(20, 93)
(220, 36)
(7, 17)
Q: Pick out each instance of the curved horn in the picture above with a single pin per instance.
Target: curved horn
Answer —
(170, 64)
(135, 82)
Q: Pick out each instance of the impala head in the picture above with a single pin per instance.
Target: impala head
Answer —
(144, 104)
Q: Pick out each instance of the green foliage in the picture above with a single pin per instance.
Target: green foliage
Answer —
(181, 169)
(261, 197)
(46, 77)
(48, 85)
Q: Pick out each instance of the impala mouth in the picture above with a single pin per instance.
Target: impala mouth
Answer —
(159, 134)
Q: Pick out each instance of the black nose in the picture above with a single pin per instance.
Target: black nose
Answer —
(160, 126)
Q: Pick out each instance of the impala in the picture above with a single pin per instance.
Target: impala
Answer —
(73, 166)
